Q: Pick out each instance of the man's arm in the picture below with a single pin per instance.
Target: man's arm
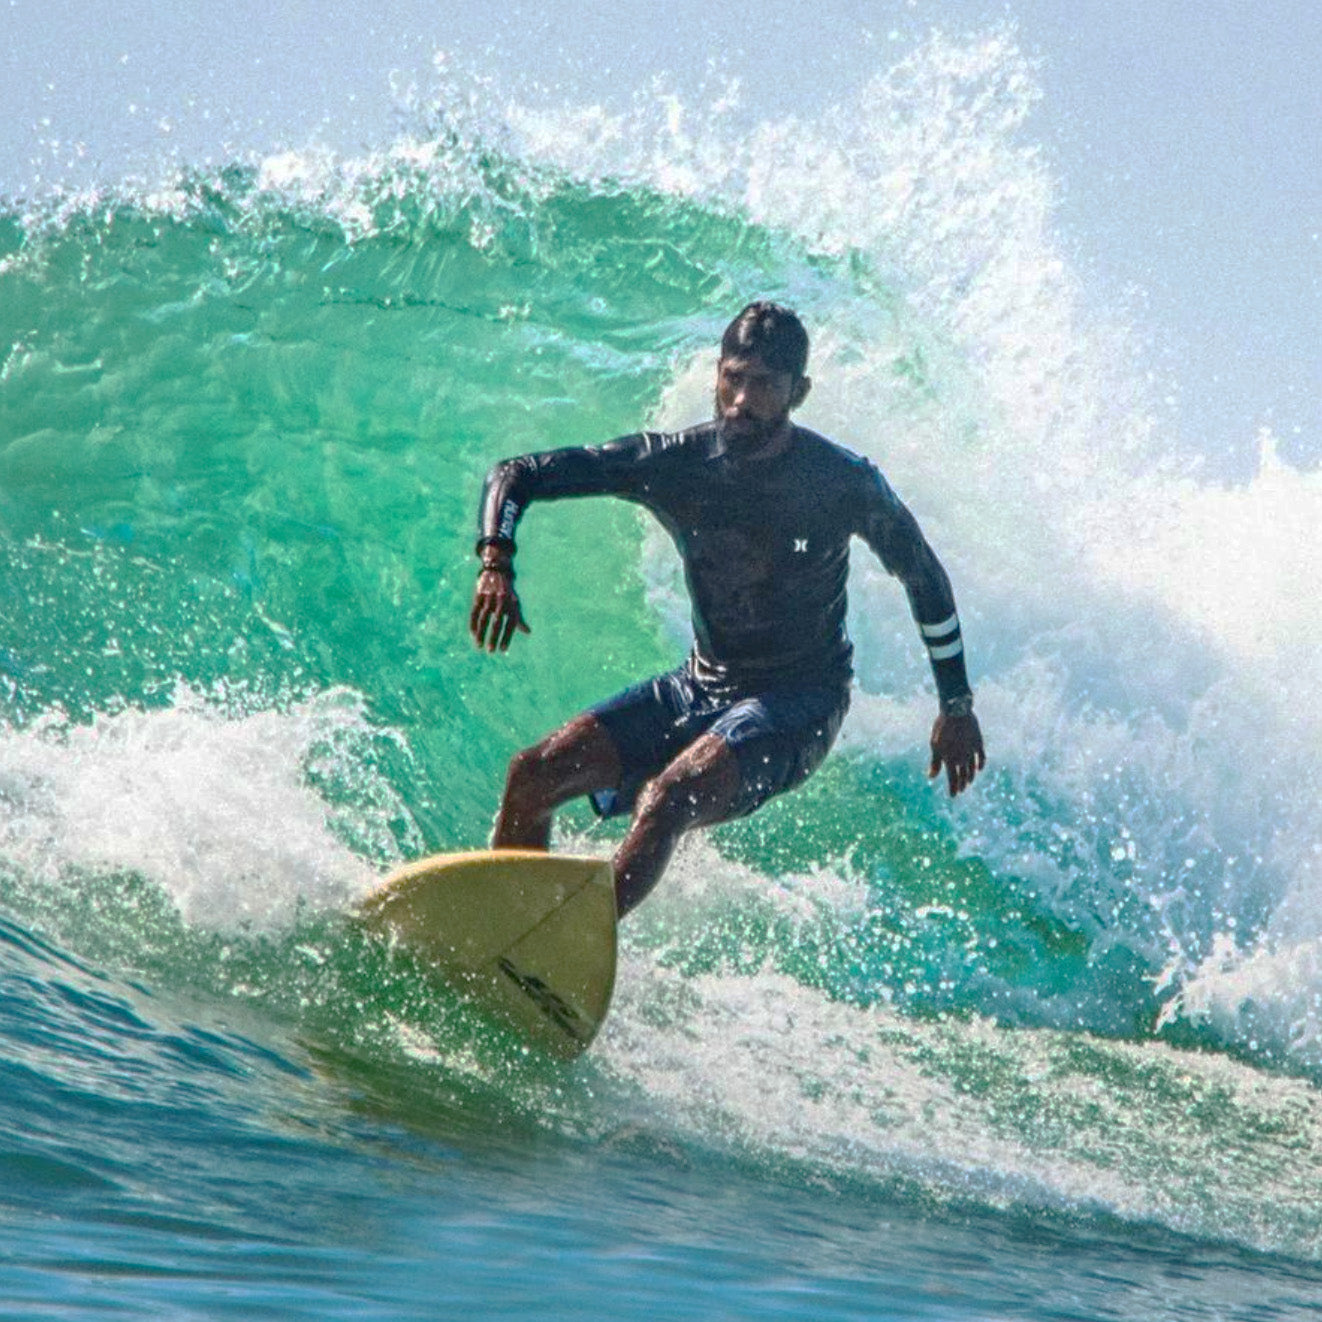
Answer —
(511, 486)
(893, 533)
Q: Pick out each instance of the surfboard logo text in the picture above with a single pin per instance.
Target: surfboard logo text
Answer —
(546, 999)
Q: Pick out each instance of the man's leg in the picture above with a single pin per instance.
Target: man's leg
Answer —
(699, 788)
(782, 736)
(576, 759)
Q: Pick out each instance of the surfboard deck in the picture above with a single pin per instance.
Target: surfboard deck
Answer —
(529, 936)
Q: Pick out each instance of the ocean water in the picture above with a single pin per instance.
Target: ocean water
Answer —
(1049, 1052)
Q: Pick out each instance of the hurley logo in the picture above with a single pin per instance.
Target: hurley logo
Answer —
(800, 543)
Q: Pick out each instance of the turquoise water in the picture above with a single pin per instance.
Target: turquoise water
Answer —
(1049, 1052)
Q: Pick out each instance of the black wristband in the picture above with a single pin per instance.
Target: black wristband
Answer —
(506, 571)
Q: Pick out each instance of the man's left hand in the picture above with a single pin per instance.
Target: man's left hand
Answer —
(957, 744)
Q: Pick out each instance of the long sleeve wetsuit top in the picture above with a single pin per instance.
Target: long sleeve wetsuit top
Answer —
(764, 545)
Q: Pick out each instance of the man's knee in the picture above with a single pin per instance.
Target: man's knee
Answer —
(576, 755)
(697, 789)
(527, 773)
(665, 803)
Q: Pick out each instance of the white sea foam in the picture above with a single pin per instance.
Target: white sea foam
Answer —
(753, 1061)
(968, 1111)
(213, 806)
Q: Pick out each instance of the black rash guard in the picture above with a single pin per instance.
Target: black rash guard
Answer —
(764, 543)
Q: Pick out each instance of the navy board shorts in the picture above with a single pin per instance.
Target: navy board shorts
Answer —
(779, 735)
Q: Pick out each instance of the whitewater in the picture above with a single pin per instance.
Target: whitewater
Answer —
(1052, 1050)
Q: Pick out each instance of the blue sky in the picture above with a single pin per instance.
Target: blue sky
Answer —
(1185, 134)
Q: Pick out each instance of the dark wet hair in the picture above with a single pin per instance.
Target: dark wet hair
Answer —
(771, 333)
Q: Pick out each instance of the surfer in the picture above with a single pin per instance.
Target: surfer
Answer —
(762, 512)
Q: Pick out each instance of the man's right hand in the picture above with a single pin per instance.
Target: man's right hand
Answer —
(496, 610)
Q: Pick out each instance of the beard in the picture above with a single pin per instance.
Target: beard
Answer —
(750, 432)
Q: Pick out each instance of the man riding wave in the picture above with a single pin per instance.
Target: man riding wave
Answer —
(762, 512)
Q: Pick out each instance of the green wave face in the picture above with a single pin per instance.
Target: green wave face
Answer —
(243, 451)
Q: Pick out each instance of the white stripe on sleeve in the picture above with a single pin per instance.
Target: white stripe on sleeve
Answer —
(937, 630)
(946, 652)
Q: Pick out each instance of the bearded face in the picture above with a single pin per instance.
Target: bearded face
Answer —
(753, 400)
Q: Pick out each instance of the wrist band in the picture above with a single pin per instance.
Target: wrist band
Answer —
(960, 706)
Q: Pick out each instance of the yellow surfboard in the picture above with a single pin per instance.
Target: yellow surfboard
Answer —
(528, 935)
